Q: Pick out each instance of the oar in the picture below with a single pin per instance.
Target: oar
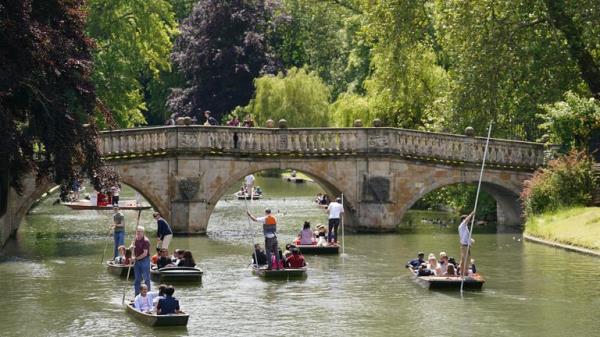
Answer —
(464, 263)
(342, 216)
(105, 247)
(126, 282)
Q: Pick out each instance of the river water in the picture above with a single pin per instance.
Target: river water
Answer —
(55, 285)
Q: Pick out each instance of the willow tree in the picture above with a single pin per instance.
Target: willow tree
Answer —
(221, 50)
(47, 99)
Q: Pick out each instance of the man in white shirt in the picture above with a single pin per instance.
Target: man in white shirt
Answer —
(250, 185)
(143, 301)
(335, 210)
(465, 241)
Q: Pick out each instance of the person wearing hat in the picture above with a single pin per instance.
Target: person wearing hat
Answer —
(270, 233)
(118, 228)
(321, 234)
(335, 210)
(416, 263)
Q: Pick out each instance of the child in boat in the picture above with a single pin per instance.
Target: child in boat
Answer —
(306, 235)
(295, 260)
(450, 271)
(169, 304)
(143, 300)
(158, 295)
(127, 260)
(121, 258)
(321, 235)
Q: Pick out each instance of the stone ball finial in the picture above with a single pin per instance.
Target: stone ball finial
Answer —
(187, 121)
(283, 124)
(179, 121)
(377, 123)
(469, 131)
(358, 123)
(545, 138)
(270, 123)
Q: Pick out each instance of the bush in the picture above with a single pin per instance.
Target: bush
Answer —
(567, 181)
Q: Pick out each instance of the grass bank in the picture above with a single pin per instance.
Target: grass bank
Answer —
(579, 226)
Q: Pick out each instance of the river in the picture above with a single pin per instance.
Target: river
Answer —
(55, 284)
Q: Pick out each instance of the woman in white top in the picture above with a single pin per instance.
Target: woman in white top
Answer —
(433, 265)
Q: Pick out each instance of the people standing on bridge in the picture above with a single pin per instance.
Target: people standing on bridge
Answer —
(270, 233)
(118, 228)
(235, 121)
(164, 232)
(210, 120)
(465, 242)
(141, 258)
(335, 210)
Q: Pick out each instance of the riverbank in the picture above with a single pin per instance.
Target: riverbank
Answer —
(575, 227)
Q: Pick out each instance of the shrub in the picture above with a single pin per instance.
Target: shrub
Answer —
(566, 181)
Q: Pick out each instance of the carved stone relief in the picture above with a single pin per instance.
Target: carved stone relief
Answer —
(376, 189)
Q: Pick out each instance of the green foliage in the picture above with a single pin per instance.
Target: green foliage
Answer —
(572, 122)
(298, 96)
(133, 41)
(567, 181)
(461, 199)
(348, 108)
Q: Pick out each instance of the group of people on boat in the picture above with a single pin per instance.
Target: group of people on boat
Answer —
(159, 302)
(291, 258)
(317, 237)
(180, 258)
(444, 265)
(322, 199)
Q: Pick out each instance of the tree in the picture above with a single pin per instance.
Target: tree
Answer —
(298, 96)
(131, 63)
(221, 50)
(47, 99)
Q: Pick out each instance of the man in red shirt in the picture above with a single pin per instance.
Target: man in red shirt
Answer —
(141, 258)
(295, 260)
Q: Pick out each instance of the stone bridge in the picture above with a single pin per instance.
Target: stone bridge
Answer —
(183, 171)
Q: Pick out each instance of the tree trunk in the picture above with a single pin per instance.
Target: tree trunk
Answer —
(587, 65)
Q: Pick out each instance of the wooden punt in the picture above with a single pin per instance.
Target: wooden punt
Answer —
(176, 274)
(242, 196)
(118, 269)
(86, 205)
(280, 274)
(319, 250)
(473, 282)
(157, 320)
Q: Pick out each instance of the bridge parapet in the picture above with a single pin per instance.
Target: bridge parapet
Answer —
(418, 145)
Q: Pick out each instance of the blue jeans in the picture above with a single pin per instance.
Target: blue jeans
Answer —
(141, 269)
(119, 241)
(333, 228)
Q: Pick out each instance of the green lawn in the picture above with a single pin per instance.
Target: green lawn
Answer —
(578, 226)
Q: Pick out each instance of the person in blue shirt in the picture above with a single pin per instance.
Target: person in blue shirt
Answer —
(168, 305)
(164, 232)
(416, 263)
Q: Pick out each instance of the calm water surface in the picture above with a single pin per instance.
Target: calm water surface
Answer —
(55, 285)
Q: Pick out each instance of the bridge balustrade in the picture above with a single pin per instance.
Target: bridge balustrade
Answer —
(418, 145)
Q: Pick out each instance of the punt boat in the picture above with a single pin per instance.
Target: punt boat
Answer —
(242, 196)
(318, 250)
(472, 282)
(279, 274)
(157, 320)
(87, 205)
(176, 274)
(118, 269)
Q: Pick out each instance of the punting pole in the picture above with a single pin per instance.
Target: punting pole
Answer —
(342, 216)
(126, 282)
(250, 226)
(485, 152)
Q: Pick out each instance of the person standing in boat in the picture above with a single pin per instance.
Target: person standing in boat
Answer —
(249, 180)
(269, 231)
(164, 232)
(335, 210)
(465, 242)
(141, 260)
(118, 228)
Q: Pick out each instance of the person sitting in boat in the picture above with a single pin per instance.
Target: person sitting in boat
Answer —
(121, 258)
(321, 235)
(258, 190)
(325, 200)
(128, 254)
(433, 265)
(154, 258)
(187, 261)
(259, 254)
(168, 305)
(158, 295)
(319, 198)
(143, 301)
(177, 256)
(306, 235)
(450, 271)
(296, 260)
(424, 271)
(164, 260)
(416, 263)
(293, 173)
(443, 263)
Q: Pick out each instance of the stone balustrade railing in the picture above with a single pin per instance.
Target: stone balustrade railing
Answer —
(319, 142)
